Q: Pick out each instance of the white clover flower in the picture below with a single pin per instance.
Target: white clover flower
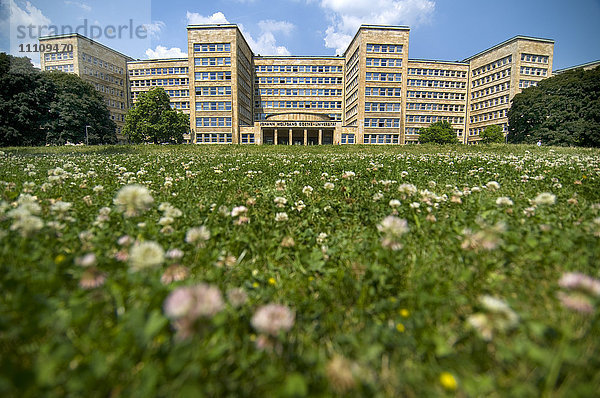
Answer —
(504, 201)
(498, 316)
(238, 210)
(272, 319)
(280, 185)
(169, 210)
(86, 261)
(348, 175)
(545, 198)
(307, 190)
(237, 297)
(392, 229)
(280, 201)
(146, 255)
(279, 217)
(329, 186)
(98, 189)
(133, 200)
(377, 197)
(197, 235)
(407, 189)
(415, 205)
(174, 254)
(321, 238)
(394, 203)
(492, 186)
(299, 205)
(178, 303)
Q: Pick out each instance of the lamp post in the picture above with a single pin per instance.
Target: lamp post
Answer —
(87, 141)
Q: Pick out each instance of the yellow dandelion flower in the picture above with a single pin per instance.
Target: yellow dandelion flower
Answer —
(311, 278)
(404, 313)
(255, 285)
(59, 259)
(400, 327)
(272, 281)
(448, 381)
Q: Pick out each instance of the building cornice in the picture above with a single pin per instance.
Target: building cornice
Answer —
(91, 41)
(506, 42)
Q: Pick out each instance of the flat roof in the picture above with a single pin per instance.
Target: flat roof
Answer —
(137, 61)
(519, 37)
(438, 61)
(591, 63)
(379, 27)
(92, 41)
(222, 26)
(287, 57)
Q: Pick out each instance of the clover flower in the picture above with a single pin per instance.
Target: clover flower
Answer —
(392, 229)
(504, 201)
(340, 374)
(146, 255)
(237, 297)
(280, 185)
(545, 198)
(174, 273)
(307, 190)
(496, 317)
(133, 200)
(197, 235)
(272, 319)
(581, 292)
(281, 217)
(280, 201)
(329, 186)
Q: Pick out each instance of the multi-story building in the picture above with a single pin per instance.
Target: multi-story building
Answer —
(372, 94)
(101, 66)
(498, 74)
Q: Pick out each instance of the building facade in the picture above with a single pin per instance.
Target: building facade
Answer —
(101, 66)
(372, 94)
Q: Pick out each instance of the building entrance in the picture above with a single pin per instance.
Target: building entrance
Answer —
(295, 136)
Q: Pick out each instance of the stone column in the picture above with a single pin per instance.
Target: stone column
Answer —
(320, 136)
(305, 137)
(290, 140)
(275, 137)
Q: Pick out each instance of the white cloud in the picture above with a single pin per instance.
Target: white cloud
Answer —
(164, 52)
(264, 44)
(346, 16)
(153, 29)
(81, 5)
(193, 18)
(27, 23)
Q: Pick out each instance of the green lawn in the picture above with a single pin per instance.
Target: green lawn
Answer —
(266, 271)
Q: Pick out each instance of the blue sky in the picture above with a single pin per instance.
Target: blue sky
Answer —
(440, 29)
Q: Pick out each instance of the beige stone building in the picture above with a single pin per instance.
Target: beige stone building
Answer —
(372, 94)
(497, 74)
(101, 66)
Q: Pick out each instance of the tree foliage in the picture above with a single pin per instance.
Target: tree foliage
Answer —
(38, 108)
(152, 120)
(77, 105)
(492, 135)
(438, 133)
(561, 110)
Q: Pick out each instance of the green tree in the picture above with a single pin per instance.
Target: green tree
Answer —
(438, 133)
(25, 100)
(77, 105)
(152, 120)
(561, 110)
(492, 135)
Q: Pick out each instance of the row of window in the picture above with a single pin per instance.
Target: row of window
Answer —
(214, 138)
(383, 91)
(384, 62)
(178, 93)
(118, 117)
(58, 56)
(263, 116)
(300, 68)
(176, 81)
(247, 138)
(434, 118)
(213, 106)
(299, 104)
(436, 83)
(490, 102)
(108, 90)
(382, 107)
(525, 70)
(62, 68)
(299, 91)
(435, 95)
(490, 90)
(211, 47)
(103, 64)
(199, 76)
(527, 83)
(216, 90)
(114, 104)
(415, 130)
(159, 71)
(384, 77)
(437, 72)
(214, 61)
(381, 139)
(347, 138)
(180, 105)
(213, 122)
(298, 80)
(490, 78)
(384, 48)
(540, 59)
(489, 116)
(435, 107)
(382, 122)
(492, 65)
(103, 76)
